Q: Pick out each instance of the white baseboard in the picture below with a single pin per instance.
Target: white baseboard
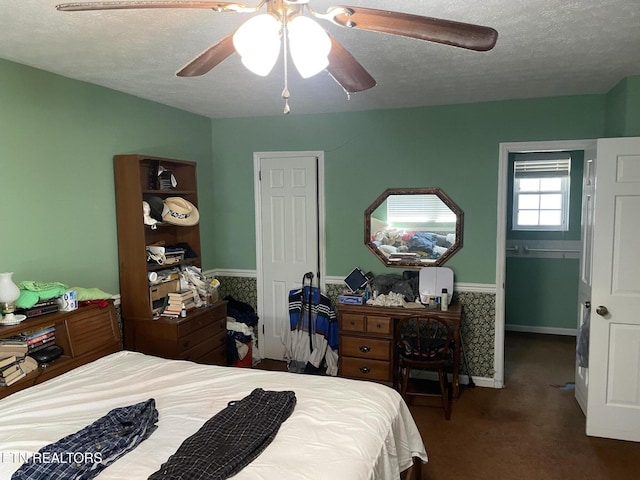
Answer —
(546, 330)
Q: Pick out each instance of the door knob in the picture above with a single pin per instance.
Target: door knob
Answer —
(602, 310)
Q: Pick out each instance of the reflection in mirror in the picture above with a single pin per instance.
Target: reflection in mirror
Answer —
(413, 227)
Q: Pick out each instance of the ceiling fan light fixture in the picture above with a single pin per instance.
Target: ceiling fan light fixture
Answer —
(258, 43)
(309, 45)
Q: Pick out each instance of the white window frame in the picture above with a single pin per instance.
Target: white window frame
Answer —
(536, 168)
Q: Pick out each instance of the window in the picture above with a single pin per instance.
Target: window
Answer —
(541, 193)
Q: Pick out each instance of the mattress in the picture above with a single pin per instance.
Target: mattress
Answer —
(339, 429)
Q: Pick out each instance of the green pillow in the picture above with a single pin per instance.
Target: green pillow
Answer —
(85, 294)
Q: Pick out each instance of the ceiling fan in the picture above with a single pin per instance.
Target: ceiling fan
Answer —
(258, 40)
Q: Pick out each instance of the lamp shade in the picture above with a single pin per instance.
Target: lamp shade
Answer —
(258, 43)
(9, 291)
(309, 45)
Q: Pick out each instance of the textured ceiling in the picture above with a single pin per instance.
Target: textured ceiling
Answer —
(545, 48)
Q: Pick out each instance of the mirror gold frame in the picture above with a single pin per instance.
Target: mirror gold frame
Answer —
(420, 257)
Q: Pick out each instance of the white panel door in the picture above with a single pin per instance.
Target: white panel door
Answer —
(613, 404)
(287, 234)
(584, 285)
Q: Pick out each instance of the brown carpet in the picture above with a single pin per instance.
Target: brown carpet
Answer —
(533, 429)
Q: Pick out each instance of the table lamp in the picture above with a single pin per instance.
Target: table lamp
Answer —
(9, 293)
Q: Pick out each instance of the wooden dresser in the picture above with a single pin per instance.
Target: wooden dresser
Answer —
(366, 340)
(200, 337)
(85, 334)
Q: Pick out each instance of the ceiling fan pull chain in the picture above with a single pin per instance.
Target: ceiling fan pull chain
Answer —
(285, 51)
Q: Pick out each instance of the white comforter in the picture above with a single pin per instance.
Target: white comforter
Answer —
(340, 429)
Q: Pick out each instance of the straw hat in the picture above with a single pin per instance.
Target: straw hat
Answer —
(179, 211)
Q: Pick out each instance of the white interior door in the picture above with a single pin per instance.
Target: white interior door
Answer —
(288, 214)
(584, 285)
(613, 403)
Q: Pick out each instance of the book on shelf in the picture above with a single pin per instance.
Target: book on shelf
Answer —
(12, 342)
(7, 360)
(174, 309)
(189, 305)
(12, 377)
(40, 345)
(180, 295)
(40, 338)
(25, 338)
(8, 371)
(177, 302)
(10, 381)
(28, 335)
(17, 350)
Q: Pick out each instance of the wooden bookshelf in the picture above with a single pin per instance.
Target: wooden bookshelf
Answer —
(166, 337)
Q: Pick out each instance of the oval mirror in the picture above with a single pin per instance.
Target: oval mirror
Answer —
(413, 227)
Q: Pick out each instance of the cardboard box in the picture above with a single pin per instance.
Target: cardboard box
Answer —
(161, 290)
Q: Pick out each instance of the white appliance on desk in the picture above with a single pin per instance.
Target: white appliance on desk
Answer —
(432, 280)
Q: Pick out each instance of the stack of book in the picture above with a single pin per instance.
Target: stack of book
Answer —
(10, 371)
(39, 339)
(13, 346)
(176, 300)
(28, 342)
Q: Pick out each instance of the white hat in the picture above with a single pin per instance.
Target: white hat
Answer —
(179, 211)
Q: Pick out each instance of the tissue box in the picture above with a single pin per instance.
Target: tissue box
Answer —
(68, 301)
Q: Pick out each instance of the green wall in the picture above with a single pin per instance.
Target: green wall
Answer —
(623, 109)
(454, 147)
(57, 141)
(58, 137)
(542, 292)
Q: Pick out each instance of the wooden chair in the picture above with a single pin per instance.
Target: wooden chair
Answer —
(424, 343)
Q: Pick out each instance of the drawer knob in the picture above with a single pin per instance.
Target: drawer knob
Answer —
(365, 348)
(365, 369)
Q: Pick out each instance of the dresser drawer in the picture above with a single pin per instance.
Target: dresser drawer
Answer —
(379, 325)
(200, 352)
(190, 325)
(366, 369)
(217, 356)
(205, 334)
(352, 322)
(375, 348)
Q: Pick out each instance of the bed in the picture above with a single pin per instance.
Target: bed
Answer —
(339, 429)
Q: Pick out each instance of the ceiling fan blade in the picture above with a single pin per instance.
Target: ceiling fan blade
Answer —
(346, 70)
(83, 6)
(457, 34)
(208, 59)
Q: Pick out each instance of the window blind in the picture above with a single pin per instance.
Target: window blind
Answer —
(542, 168)
(418, 208)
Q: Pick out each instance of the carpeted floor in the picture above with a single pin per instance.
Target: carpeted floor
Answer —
(533, 429)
